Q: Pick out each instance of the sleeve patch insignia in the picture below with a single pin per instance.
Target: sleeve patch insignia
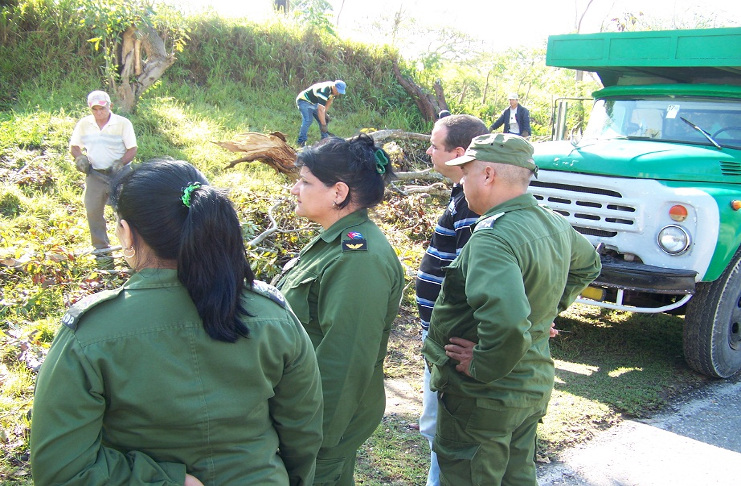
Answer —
(356, 244)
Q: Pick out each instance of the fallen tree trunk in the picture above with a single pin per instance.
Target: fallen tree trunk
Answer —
(268, 148)
(273, 150)
(397, 134)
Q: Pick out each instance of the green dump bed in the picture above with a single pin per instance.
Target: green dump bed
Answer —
(709, 56)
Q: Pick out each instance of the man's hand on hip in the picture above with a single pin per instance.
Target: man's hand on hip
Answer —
(461, 350)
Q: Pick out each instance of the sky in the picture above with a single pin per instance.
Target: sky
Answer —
(528, 24)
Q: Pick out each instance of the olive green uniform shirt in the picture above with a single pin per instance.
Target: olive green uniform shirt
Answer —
(345, 288)
(133, 391)
(522, 266)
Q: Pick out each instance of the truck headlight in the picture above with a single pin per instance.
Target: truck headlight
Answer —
(673, 239)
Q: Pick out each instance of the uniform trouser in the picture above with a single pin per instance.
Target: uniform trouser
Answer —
(428, 423)
(335, 466)
(484, 446)
(96, 196)
(308, 115)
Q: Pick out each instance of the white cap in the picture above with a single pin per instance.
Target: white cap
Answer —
(98, 98)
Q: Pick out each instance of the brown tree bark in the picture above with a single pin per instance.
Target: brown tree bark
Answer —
(427, 105)
(138, 72)
(268, 148)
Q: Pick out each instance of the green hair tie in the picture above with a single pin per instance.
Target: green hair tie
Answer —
(188, 191)
(381, 161)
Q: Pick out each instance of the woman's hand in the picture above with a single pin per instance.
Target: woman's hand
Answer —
(192, 481)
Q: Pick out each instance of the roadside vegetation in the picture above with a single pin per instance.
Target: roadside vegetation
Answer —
(233, 77)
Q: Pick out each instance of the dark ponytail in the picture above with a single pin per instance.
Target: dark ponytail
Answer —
(169, 204)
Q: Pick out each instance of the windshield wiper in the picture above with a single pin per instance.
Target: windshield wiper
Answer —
(706, 134)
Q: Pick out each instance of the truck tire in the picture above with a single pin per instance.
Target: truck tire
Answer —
(712, 328)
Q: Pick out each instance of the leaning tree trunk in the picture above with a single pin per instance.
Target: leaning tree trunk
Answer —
(138, 72)
(428, 105)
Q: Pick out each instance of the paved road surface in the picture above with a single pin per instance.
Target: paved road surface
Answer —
(697, 442)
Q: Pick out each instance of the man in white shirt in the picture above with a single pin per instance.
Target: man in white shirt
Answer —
(103, 145)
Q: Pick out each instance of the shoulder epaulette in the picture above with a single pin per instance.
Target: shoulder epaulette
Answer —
(487, 223)
(267, 290)
(74, 313)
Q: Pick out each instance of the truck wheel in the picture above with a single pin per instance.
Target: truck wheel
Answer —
(712, 328)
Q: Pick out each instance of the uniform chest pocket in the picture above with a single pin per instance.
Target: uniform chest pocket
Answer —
(298, 290)
(454, 285)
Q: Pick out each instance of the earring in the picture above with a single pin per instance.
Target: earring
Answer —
(334, 204)
(132, 250)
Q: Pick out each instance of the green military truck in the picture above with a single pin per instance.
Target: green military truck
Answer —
(655, 181)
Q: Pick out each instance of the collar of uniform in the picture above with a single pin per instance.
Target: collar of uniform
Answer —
(519, 202)
(149, 278)
(353, 219)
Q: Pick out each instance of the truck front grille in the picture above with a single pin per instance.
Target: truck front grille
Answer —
(591, 210)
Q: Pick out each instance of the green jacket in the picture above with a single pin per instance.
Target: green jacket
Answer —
(523, 265)
(133, 391)
(345, 288)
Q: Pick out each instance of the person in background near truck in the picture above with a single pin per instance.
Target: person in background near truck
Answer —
(313, 103)
(488, 342)
(450, 137)
(192, 372)
(345, 287)
(516, 118)
(103, 145)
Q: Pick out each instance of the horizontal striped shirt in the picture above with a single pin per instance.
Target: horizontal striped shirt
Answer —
(452, 231)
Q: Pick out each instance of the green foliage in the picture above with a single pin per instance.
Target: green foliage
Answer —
(315, 14)
(107, 20)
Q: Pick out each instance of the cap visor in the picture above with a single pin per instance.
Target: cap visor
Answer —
(463, 159)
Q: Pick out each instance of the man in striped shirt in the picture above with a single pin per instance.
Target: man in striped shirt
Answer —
(313, 103)
(450, 137)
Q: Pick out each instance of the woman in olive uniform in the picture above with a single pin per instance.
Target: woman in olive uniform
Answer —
(345, 288)
(192, 372)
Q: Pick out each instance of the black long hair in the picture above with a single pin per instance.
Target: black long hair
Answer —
(358, 162)
(204, 237)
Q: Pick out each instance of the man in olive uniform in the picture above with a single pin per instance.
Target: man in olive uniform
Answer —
(488, 342)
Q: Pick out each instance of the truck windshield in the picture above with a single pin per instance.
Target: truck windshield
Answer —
(661, 119)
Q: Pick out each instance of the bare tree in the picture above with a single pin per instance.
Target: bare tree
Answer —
(284, 5)
(143, 60)
(337, 21)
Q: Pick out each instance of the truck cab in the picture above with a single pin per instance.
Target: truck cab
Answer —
(655, 181)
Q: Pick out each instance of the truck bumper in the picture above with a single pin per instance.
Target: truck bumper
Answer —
(619, 274)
